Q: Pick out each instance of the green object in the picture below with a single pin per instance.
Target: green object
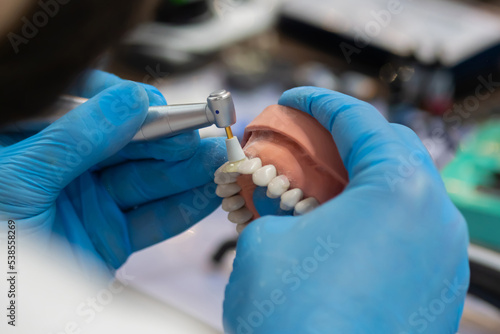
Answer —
(179, 2)
(473, 183)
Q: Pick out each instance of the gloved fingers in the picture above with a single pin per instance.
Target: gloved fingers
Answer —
(177, 148)
(13, 138)
(418, 157)
(165, 218)
(366, 142)
(92, 82)
(136, 183)
(180, 147)
(80, 139)
(409, 137)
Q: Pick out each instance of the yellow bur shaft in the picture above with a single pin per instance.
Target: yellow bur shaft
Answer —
(229, 132)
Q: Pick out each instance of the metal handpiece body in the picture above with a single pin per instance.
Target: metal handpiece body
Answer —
(160, 122)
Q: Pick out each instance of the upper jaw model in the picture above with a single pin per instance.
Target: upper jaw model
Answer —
(292, 166)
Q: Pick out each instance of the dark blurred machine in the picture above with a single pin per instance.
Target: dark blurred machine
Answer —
(188, 32)
(463, 39)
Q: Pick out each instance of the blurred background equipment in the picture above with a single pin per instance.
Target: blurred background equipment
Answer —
(459, 37)
(187, 32)
(473, 182)
(432, 65)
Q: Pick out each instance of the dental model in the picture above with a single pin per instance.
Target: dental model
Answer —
(291, 167)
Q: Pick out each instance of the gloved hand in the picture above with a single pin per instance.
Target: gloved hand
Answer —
(81, 180)
(388, 255)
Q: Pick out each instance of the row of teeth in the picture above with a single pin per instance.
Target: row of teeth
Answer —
(263, 176)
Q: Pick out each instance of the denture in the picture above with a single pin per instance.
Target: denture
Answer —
(292, 167)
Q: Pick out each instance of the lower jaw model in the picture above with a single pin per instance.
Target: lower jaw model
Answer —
(292, 166)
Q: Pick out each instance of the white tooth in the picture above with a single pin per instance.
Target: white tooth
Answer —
(277, 186)
(240, 228)
(225, 178)
(232, 167)
(233, 203)
(240, 216)
(264, 175)
(305, 206)
(227, 190)
(290, 198)
(250, 166)
(224, 171)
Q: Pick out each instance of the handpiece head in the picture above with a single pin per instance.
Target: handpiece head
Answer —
(221, 105)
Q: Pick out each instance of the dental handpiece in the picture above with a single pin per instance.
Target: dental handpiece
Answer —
(160, 122)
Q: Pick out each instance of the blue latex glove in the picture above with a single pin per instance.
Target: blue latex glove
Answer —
(388, 255)
(81, 180)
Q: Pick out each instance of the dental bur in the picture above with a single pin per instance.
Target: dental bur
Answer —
(222, 102)
(161, 121)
